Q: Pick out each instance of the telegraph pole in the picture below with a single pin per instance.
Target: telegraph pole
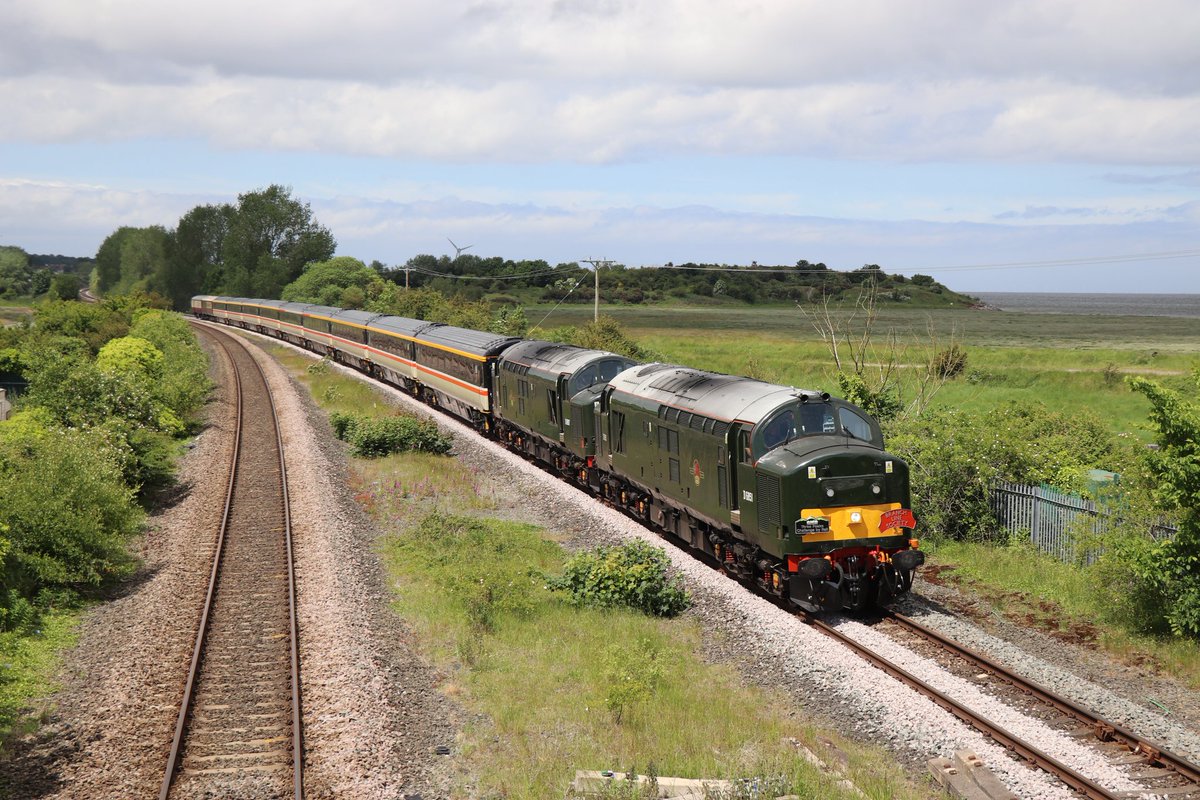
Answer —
(596, 265)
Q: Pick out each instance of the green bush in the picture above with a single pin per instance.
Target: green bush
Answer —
(955, 458)
(1170, 570)
(371, 437)
(65, 514)
(632, 574)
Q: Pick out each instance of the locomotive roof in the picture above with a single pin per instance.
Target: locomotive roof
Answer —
(710, 394)
(554, 358)
(478, 343)
(402, 325)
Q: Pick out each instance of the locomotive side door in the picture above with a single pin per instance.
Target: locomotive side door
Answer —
(742, 482)
(558, 399)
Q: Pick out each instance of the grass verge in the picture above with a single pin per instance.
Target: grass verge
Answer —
(29, 660)
(1035, 590)
(555, 688)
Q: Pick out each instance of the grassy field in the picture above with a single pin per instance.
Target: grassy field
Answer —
(1065, 361)
(472, 584)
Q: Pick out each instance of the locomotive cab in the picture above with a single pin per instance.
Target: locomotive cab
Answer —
(821, 493)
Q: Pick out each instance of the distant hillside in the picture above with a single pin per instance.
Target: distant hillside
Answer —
(529, 282)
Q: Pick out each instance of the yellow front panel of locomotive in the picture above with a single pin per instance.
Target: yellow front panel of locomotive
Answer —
(842, 525)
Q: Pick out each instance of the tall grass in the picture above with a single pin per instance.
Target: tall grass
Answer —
(541, 672)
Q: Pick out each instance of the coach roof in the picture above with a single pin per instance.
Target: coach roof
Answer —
(402, 326)
(478, 343)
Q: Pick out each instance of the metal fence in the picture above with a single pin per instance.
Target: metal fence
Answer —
(1055, 521)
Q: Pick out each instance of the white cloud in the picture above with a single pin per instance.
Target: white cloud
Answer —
(535, 80)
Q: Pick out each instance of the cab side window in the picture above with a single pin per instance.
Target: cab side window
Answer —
(779, 430)
(855, 425)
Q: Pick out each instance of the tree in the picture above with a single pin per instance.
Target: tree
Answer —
(270, 239)
(329, 282)
(1174, 569)
(194, 261)
(108, 259)
(15, 274)
(64, 286)
(143, 261)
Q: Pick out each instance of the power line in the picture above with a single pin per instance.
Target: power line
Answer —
(509, 276)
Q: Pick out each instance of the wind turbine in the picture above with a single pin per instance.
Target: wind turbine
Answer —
(458, 251)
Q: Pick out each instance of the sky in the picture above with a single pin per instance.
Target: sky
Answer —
(1012, 145)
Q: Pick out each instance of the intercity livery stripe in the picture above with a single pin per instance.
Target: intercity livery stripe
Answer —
(377, 331)
(479, 390)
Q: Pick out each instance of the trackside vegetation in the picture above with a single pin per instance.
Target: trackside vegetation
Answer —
(507, 614)
(112, 388)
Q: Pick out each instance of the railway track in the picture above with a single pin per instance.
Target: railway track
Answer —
(1159, 761)
(238, 732)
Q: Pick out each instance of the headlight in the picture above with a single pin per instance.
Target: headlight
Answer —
(855, 516)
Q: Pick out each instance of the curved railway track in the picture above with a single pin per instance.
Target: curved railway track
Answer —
(238, 733)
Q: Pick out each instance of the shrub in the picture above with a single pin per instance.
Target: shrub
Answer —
(65, 513)
(949, 363)
(632, 674)
(956, 457)
(371, 437)
(1171, 570)
(632, 575)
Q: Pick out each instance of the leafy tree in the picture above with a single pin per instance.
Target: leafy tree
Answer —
(15, 273)
(108, 259)
(143, 261)
(39, 282)
(64, 287)
(1172, 568)
(194, 264)
(270, 238)
(329, 282)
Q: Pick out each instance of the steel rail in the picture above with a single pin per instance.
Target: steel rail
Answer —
(198, 649)
(1077, 781)
(1103, 728)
